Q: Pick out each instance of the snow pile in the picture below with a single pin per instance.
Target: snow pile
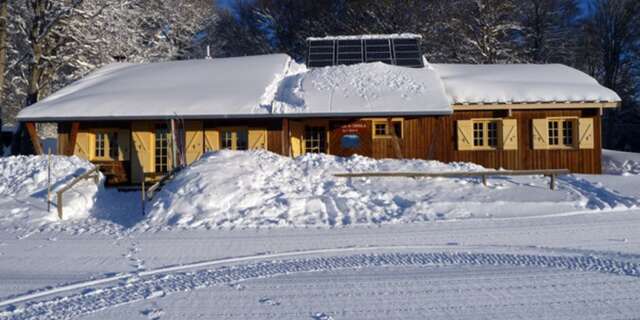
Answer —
(257, 188)
(620, 163)
(520, 83)
(23, 189)
(367, 88)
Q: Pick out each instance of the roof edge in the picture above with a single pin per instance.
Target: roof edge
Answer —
(247, 116)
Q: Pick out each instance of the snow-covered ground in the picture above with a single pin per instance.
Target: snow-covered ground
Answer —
(285, 239)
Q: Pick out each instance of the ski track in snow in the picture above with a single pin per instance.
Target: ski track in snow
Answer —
(137, 288)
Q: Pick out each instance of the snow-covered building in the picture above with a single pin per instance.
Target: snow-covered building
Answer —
(370, 95)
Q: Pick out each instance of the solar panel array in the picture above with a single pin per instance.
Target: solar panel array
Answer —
(395, 51)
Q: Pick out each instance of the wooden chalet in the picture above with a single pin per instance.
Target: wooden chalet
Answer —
(369, 95)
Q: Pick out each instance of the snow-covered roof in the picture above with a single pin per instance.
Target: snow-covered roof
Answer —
(369, 37)
(194, 88)
(520, 83)
(275, 86)
(362, 89)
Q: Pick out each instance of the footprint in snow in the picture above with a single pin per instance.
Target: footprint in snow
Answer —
(153, 314)
(237, 286)
(269, 302)
(321, 316)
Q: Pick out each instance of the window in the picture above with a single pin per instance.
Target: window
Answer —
(381, 128)
(234, 138)
(478, 134)
(101, 137)
(314, 139)
(162, 149)
(106, 145)
(226, 139)
(113, 145)
(561, 133)
(485, 134)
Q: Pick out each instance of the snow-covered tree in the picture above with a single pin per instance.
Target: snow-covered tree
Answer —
(484, 29)
(65, 39)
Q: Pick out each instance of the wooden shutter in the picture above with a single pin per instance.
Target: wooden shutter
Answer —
(257, 139)
(142, 157)
(297, 133)
(83, 148)
(540, 134)
(211, 139)
(194, 137)
(124, 138)
(586, 136)
(509, 134)
(465, 135)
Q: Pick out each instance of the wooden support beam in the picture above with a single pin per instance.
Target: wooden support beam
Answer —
(286, 138)
(73, 137)
(35, 139)
(396, 140)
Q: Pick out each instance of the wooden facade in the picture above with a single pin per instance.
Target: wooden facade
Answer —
(419, 137)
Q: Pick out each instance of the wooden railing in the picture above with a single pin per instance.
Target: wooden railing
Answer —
(93, 173)
(148, 194)
(553, 174)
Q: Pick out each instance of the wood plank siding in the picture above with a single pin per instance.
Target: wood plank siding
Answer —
(428, 137)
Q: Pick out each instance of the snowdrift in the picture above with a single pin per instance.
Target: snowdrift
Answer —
(23, 189)
(258, 188)
(620, 163)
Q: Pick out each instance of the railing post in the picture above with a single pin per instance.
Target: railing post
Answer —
(484, 180)
(143, 195)
(59, 200)
(49, 181)
(553, 182)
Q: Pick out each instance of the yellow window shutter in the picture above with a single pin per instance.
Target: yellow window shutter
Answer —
(82, 148)
(297, 133)
(586, 137)
(194, 137)
(465, 135)
(509, 134)
(211, 139)
(257, 138)
(142, 155)
(540, 134)
(123, 144)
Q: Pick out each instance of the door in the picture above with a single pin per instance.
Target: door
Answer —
(315, 139)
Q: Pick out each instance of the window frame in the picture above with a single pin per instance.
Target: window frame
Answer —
(486, 134)
(167, 138)
(561, 134)
(107, 144)
(234, 137)
(385, 123)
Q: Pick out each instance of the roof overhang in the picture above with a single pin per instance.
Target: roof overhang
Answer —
(241, 117)
(535, 106)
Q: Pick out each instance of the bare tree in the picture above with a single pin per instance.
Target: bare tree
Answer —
(4, 16)
(547, 30)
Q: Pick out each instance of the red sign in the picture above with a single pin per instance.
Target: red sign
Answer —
(353, 128)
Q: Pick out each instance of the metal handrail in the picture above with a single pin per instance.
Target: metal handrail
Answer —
(93, 173)
(552, 173)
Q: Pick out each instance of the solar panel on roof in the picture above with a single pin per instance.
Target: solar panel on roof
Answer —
(395, 51)
(349, 51)
(321, 53)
